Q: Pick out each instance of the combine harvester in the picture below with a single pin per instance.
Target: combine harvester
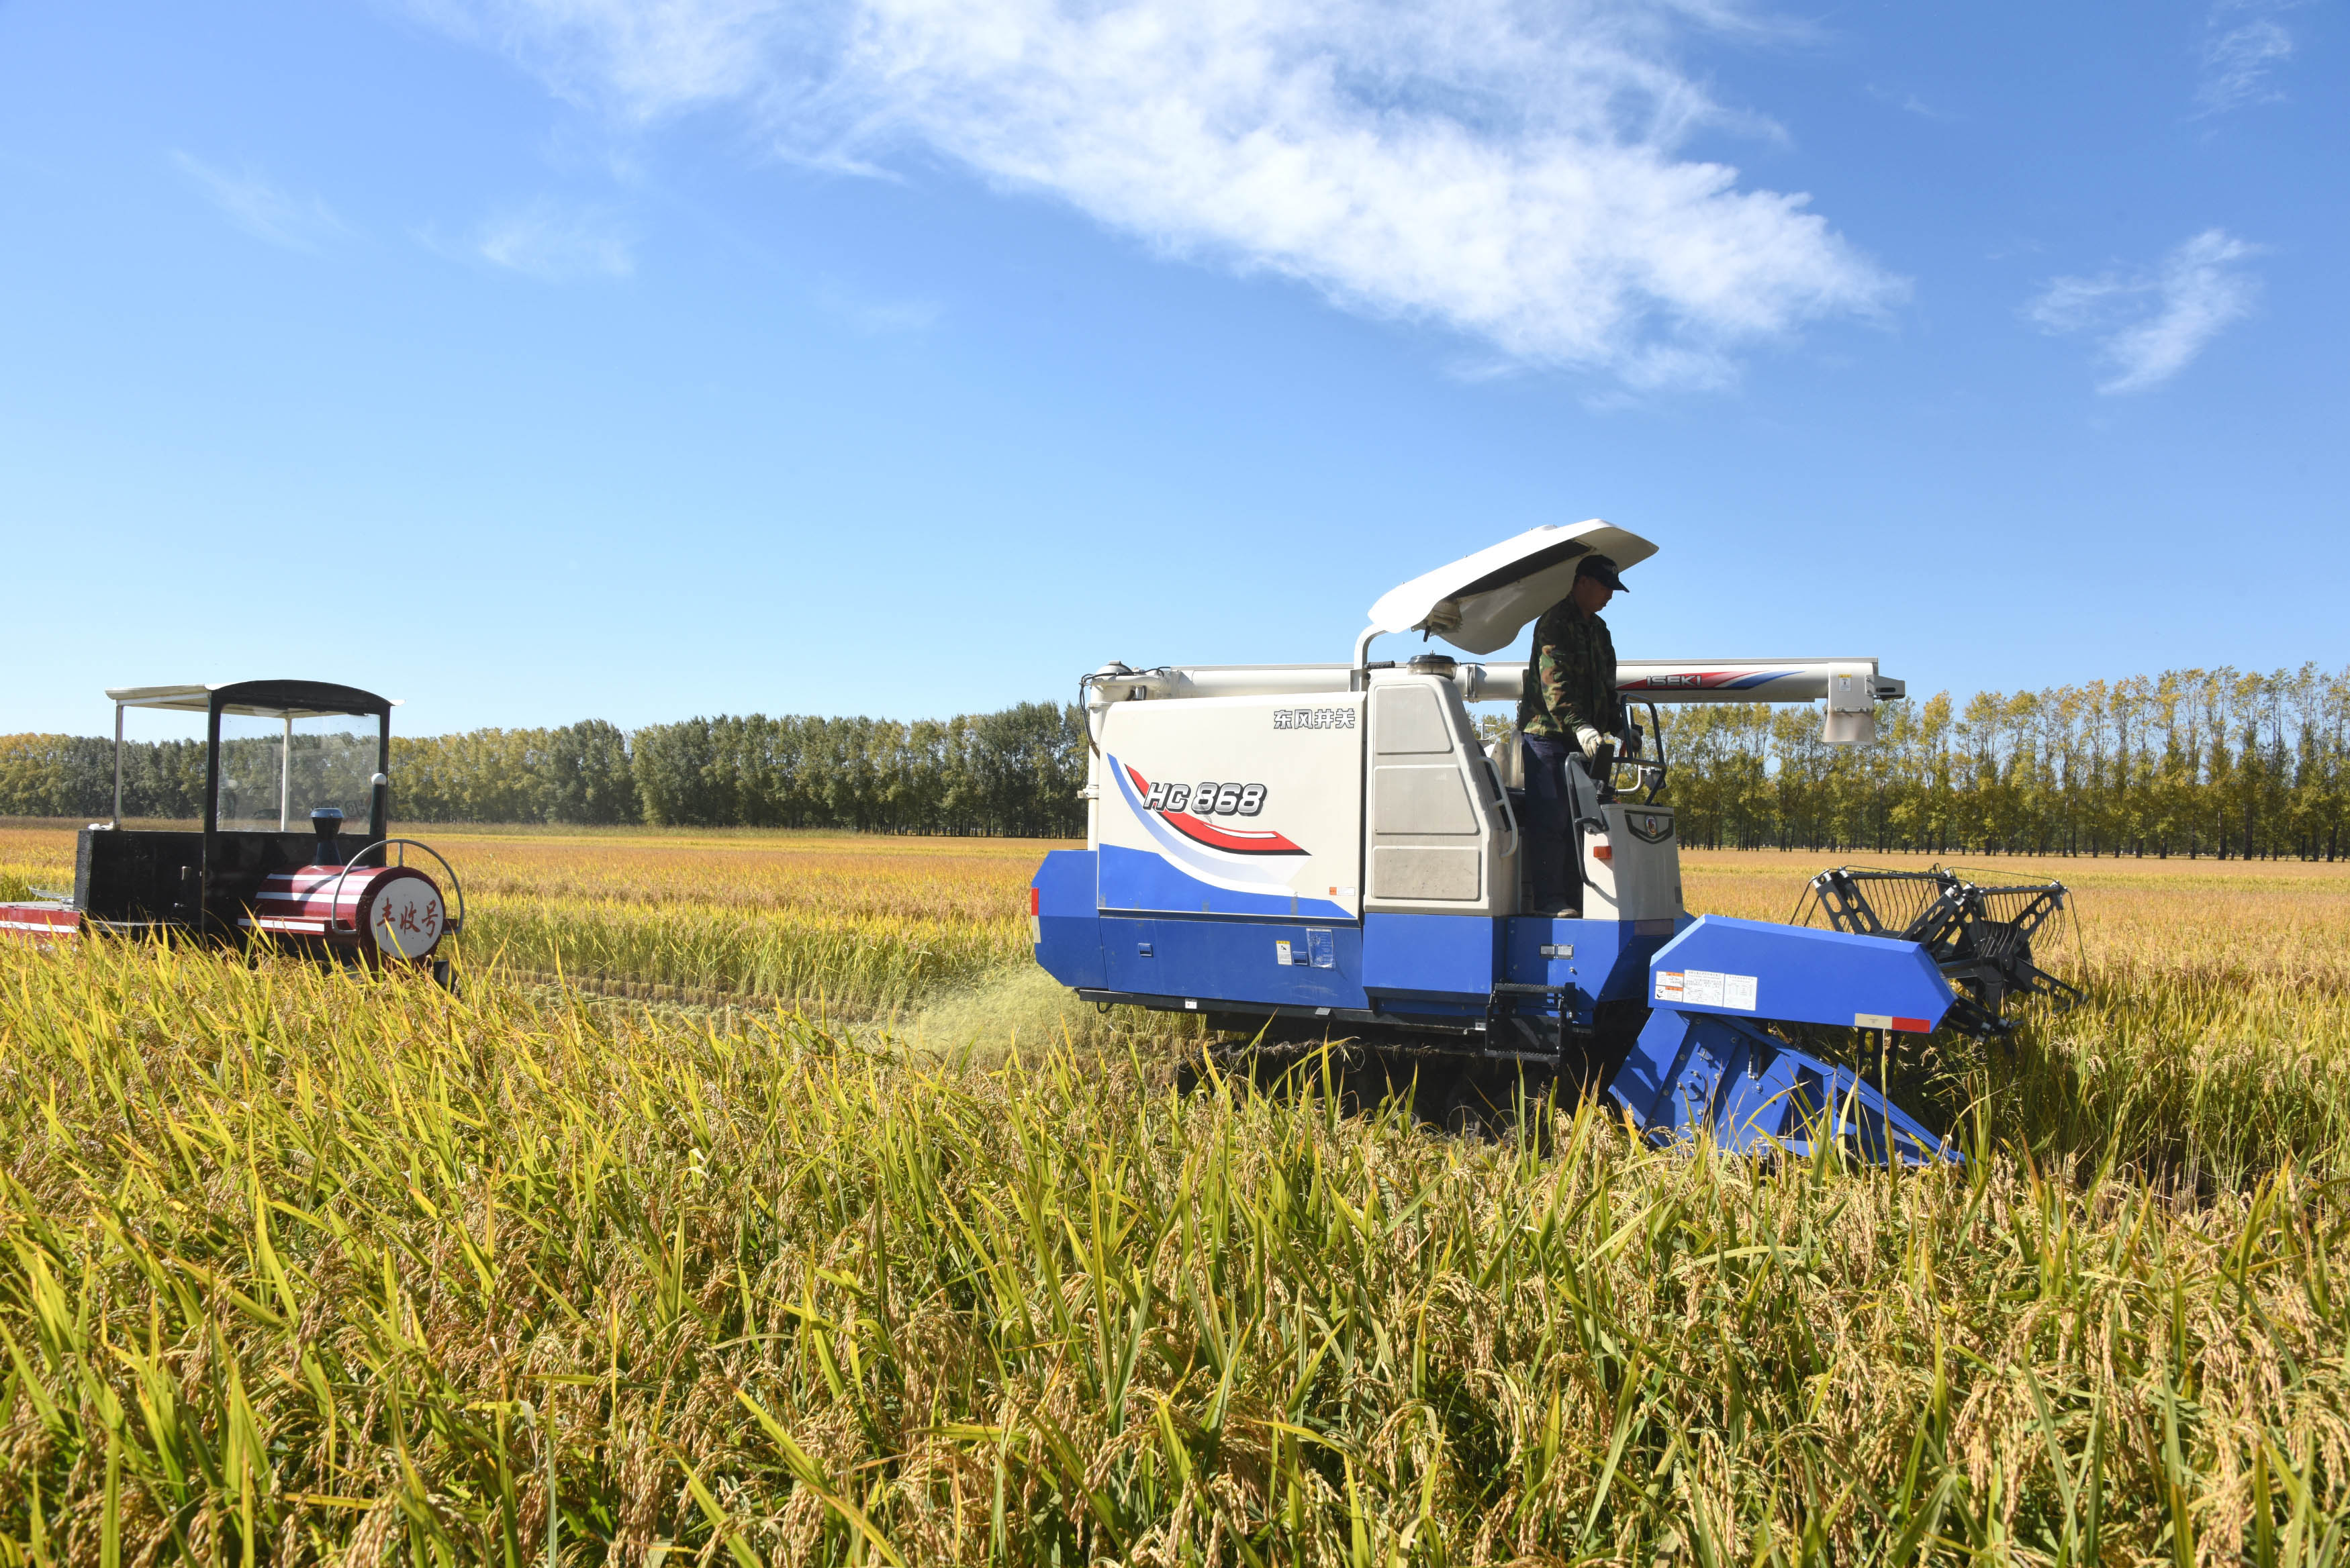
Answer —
(248, 875)
(1326, 849)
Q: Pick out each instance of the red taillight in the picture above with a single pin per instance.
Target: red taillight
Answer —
(1036, 900)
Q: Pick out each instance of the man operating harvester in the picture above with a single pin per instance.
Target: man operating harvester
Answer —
(1570, 708)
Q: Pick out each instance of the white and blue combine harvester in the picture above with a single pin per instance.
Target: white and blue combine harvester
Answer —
(1328, 849)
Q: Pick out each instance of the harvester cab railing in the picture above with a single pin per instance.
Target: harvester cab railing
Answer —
(1654, 773)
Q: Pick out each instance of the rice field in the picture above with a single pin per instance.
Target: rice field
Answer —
(845, 926)
(846, 1263)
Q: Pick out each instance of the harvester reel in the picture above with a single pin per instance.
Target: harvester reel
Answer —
(1982, 937)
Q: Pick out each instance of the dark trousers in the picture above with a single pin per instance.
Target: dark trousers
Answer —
(1549, 820)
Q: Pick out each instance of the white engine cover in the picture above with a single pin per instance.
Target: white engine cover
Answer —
(1282, 829)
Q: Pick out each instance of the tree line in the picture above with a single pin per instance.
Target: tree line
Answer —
(2191, 762)
(1016, 773)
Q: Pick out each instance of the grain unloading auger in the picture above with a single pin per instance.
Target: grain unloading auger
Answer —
(1328, 849)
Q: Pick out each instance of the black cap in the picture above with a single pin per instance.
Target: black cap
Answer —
(1603, 569)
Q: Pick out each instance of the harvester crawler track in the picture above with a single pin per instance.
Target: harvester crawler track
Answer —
(1982, 937)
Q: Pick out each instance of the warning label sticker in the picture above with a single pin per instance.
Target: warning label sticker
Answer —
(1706, 988)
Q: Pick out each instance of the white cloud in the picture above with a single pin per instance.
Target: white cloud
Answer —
(896, 315)
(261, 208)
(556, 243)
(1909, 102)
(880, 317)
(2243, 41)
(649, 57)
(1510, 172)
(2152, 324)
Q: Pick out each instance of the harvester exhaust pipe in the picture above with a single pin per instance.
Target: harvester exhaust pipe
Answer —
(327, 822)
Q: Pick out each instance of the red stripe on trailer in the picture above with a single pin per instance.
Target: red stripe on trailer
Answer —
(41, 916)
(35, 922)
(1914, 1025)
(320, 893)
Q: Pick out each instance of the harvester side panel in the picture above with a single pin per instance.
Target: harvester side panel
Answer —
(1590, 961)
(1441, 841)
(1068, 930)
(1198, 961)
(1444, 957)
(1237, 805)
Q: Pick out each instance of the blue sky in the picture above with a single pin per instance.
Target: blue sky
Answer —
(540, 359)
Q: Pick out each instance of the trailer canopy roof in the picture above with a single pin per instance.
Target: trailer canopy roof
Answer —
(1496, 591)
(260, 699)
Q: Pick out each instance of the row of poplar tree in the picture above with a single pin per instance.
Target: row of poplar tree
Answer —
(1015, 773)
(2190, 762)
(2194, 761)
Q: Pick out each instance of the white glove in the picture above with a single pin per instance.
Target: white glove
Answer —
(1590, 740)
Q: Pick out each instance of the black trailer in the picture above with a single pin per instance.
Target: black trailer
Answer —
(274, 858)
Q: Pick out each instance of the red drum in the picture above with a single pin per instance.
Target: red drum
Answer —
(395, 909)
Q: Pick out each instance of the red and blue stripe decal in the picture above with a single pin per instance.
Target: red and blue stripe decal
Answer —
(1705, 681)
(1232, 840)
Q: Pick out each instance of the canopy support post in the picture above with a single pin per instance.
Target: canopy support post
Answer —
(285, 776)
(118, 766)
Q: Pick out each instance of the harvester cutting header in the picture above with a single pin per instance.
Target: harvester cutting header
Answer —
(1330, 847)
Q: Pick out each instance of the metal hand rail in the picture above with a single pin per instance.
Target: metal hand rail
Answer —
(455, 923)
(1508, 817)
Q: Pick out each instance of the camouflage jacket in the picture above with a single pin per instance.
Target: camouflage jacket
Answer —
(1571, 682)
